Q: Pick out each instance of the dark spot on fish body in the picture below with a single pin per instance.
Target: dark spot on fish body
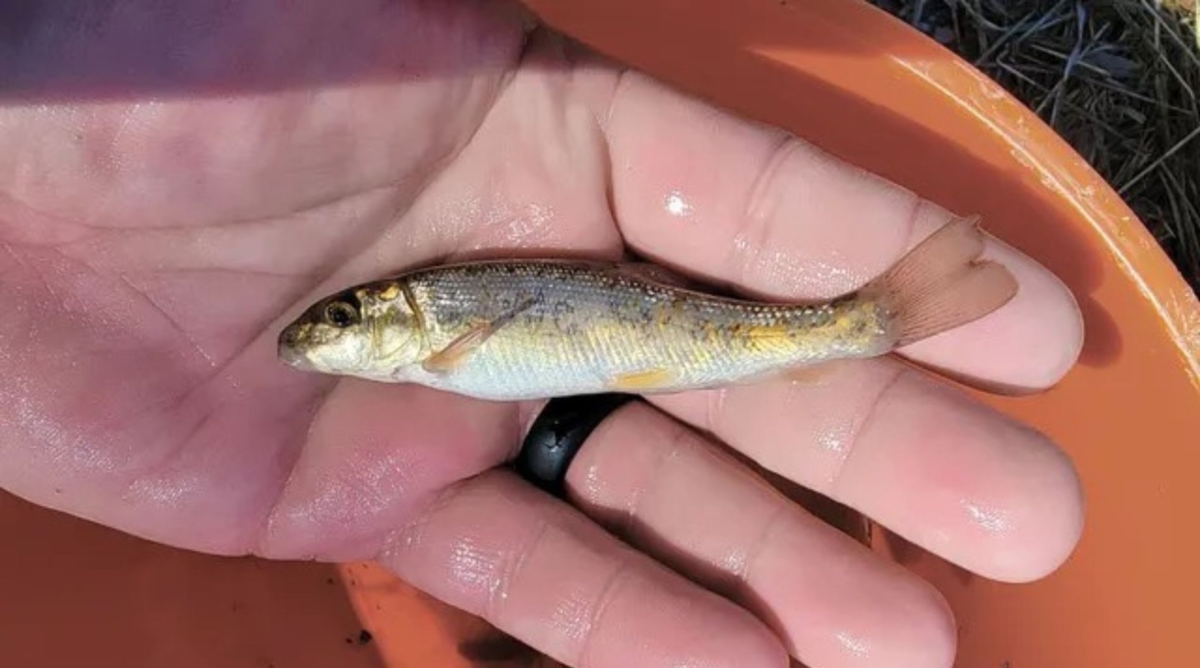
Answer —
(821, 316)
(560, 308)
(451, 318)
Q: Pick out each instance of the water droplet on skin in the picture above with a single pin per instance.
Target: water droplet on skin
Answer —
(835, 438)
(992, 520)
(676, 205)
(857, 646)
(473, 566)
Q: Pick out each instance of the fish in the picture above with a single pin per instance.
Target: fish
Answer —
(534, 329)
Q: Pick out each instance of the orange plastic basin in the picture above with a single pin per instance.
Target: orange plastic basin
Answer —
(872, 90)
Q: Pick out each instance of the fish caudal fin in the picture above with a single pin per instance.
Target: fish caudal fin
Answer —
(942, 283)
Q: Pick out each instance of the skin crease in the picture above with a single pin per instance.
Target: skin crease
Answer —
(157, 227)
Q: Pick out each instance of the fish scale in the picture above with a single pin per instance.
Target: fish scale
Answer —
(631, 327)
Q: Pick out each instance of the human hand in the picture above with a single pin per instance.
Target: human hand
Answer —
(171, 198)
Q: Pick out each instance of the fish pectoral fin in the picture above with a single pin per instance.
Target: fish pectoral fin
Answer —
(448, 358)
(641, 381)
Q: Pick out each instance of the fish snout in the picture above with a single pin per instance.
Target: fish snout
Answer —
(290, 346)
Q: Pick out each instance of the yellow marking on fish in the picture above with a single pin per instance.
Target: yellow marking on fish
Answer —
(640, 381)
(663, 316)
(377, 325)
(762, 332)
(703, 356)
(664, 313)
(390, 293)
(758, 336)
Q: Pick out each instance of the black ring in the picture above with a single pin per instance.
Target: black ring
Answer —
(557, 435)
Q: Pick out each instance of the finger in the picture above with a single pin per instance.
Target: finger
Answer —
(668, 491)
(542, 572)
(753, 207)
(374, 455)
(914, 454)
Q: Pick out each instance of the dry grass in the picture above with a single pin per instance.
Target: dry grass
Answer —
(1118, 79)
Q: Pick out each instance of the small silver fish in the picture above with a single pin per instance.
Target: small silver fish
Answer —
(510, 330)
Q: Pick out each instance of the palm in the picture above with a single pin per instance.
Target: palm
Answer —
(159, 230)
(157, 367)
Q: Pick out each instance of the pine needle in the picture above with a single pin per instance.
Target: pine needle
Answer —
(1118, 79)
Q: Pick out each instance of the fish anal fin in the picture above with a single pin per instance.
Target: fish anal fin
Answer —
(641, 381)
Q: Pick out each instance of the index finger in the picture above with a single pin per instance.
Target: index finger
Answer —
(754, 207)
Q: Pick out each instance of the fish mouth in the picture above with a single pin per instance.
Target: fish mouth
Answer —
(294, 358)
(289, 349)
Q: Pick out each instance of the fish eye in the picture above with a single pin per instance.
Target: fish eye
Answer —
(340, 314)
